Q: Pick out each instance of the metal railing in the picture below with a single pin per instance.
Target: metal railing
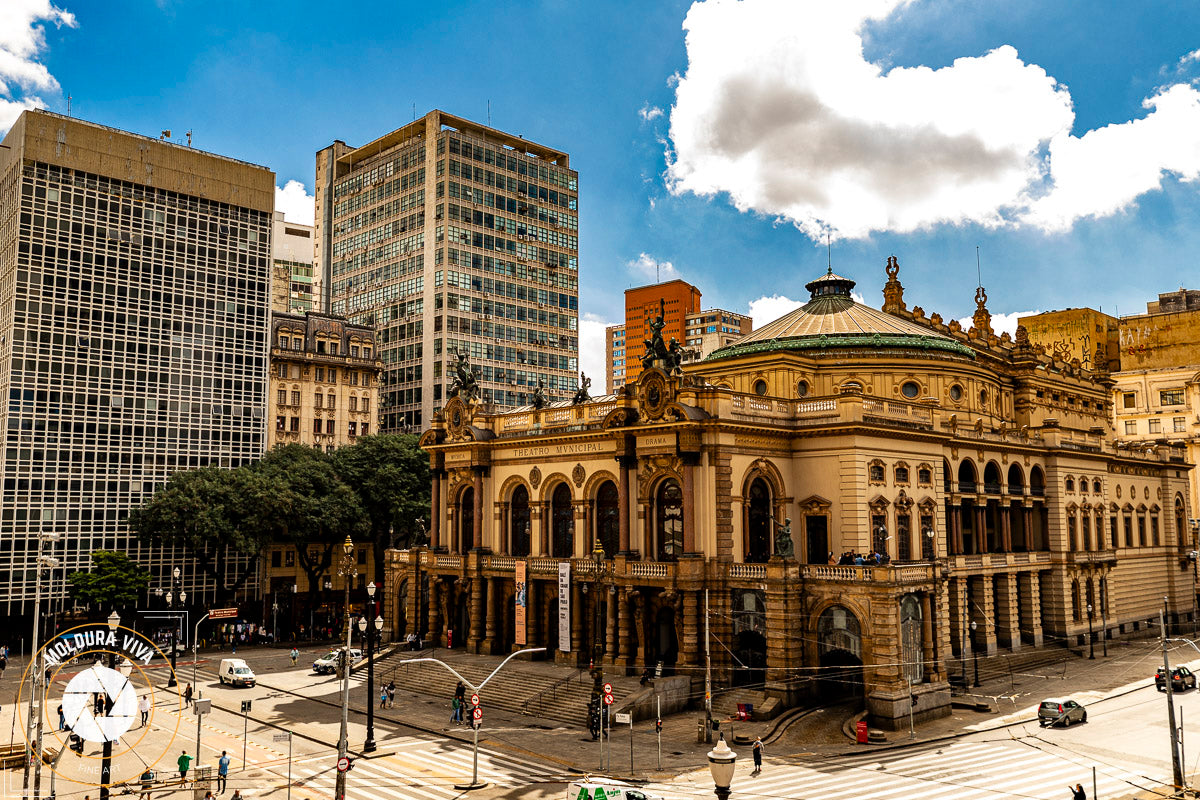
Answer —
(550, 693)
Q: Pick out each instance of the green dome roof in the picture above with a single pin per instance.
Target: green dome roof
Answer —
(832, 319)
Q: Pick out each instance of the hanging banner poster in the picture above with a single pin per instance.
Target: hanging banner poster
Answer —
(521, 600)
(564, 606)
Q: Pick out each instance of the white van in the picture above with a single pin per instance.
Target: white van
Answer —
(235, 672)
(605, 789)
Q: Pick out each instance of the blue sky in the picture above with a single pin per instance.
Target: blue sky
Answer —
(723, 138)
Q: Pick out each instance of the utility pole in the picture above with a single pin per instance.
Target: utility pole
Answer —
(339, 792)
(707, 676)
(1176, 766)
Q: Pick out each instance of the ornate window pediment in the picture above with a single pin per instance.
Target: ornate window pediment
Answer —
(879, 504)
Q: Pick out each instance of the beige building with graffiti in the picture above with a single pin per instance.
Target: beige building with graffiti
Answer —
(985, 472)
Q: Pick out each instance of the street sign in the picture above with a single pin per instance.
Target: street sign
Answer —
(608, 698)
(202, 706)
(222, 613)
(608, 688)
(343, 764)
(477, 713)
(622, 719)
(474, 699)
(281, 737)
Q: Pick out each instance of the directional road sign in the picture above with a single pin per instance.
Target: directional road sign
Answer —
(343, 764)
(608, 688)
(474, 699)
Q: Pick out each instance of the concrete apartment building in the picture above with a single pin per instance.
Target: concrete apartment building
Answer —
(1154, 359)
(134, 286)
(294, 289)
(451, 237)
(709, 331)
(324, 381)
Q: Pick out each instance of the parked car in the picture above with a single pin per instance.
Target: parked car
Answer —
(327, 664)
(1060, 712)
(235, 672)
(1181, 678)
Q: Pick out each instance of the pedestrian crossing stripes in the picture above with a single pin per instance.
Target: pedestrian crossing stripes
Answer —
(980, 770)
(427, 773)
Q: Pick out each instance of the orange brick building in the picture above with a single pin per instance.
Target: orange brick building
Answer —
(641, 305)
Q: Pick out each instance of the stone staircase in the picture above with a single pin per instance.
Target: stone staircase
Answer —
(1023, 665)
(540, 689)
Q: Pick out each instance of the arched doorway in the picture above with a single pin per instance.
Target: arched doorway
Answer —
(750, 641)
(758, 522)
(668, 515)
(666, 644)
(839, 645)
(562, 524)
(466, 520)
(518, 521)
(608, 518)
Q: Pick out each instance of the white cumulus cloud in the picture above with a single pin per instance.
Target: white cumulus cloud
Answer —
(780, 111)
(295, 202)
(593, 360)
(770, 308)
(22, 43)
(647, 267)
(649, 113)
(1001, 323)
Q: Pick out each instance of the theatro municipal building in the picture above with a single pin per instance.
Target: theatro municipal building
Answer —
(860, 498)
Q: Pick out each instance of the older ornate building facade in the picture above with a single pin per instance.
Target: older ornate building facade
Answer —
(982, 470)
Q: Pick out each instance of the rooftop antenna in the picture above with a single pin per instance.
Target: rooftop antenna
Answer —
(414, 112)
(978, 271)
(828, 252)
(189, 138)
(68, 105)
(489, 113)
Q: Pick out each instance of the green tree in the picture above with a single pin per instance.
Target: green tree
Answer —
(115, 581)
(321, 509)
(219, 517)
(390, 475)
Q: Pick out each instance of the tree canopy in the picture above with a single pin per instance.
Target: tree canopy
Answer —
(114, 581)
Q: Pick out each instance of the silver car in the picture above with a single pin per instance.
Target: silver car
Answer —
(1060, 712)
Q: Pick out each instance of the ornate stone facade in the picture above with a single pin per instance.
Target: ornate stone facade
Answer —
(983, 471)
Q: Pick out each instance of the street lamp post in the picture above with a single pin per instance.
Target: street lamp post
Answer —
(114, 621)
(722, 763)
(1194, 557)
(975, 652)
(174, 593)
(1091, 641)
(347, 572)
(1104, 613)
(370, 635)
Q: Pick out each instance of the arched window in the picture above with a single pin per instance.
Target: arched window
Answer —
(1075, 612)
(608, 518)
(668, 519)
(966, 477)
(466, 520)
(1016, 480)
(1180, 520)
(1037, 482)
(562, 523)
(1070, 484)
(1096, 486)
(758, 522)
(518, 521)
(991, 478)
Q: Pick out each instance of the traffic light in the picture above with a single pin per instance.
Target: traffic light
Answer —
(658, 726)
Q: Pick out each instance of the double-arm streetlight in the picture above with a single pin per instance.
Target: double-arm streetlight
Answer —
(371, 633)
(347, 573)
(175, 598)
(1091, 641)
(114, 621)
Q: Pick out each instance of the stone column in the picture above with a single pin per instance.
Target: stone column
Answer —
(1006, 529)
(1028, 512)
(533, 615)
(489, 631)
(452, 512)
(613, 646)
(535, 529)
(689, 504)
(927, 649)
(503, 534)
(1030, 603)
(625, 648)
(435, 510)
(958, 604)
(433, 634)
(477, 527)
(639, 627)
(956, 542)
(623, 502)
(547, 523)
(689, 648)
(980, 531)
(983, 614)
(577, 629)
(1008, 621)
(478, 613)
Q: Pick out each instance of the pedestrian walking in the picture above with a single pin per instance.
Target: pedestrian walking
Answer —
(222, 771)
(391, 694)
(1078, 793)
(383, 697)
(147, 780)
(184, 762)
(237, 795)
(456, 710)
(757, 752)
(62, 718)
(3, 664)
(144, 708)
(187, 695)
(295, 656)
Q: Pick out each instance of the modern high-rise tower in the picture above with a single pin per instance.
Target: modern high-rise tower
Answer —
(134, 280)
(451, 237)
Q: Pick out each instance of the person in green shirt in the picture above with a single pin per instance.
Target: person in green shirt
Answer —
(185, 761)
